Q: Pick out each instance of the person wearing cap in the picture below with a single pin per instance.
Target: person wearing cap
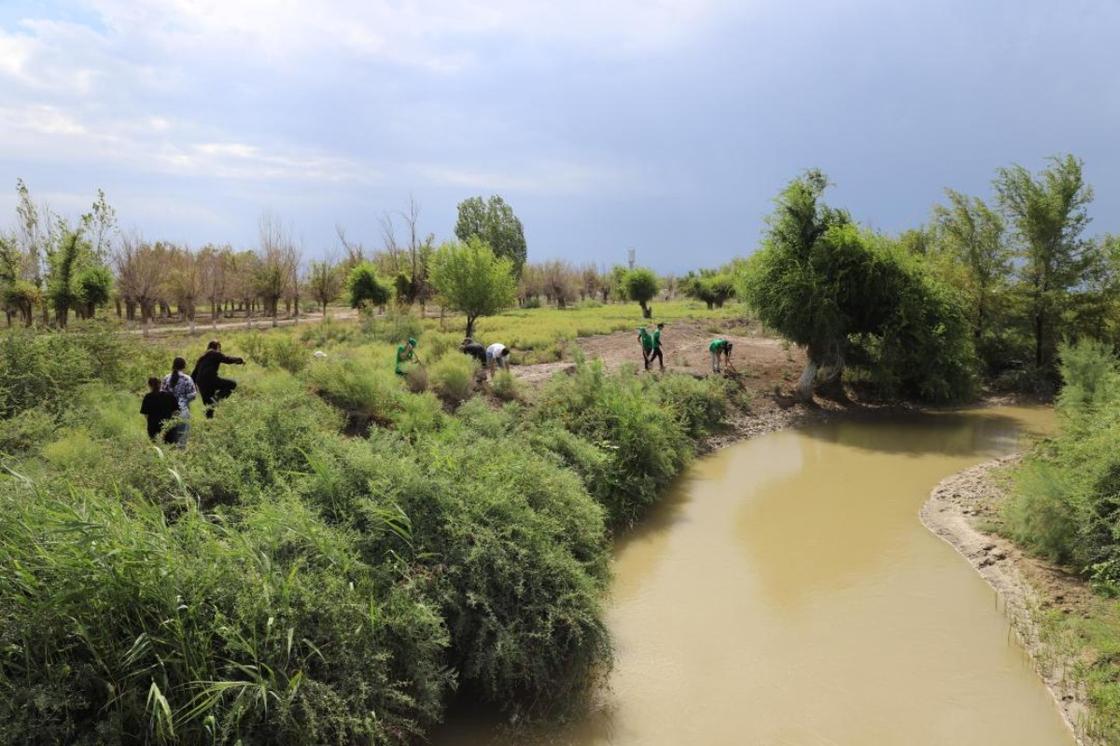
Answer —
(405, 353)
(647, 345)
(719, 347)
(655, 350)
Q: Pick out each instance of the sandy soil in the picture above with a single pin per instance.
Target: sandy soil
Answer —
(956, 510)
(764, 366)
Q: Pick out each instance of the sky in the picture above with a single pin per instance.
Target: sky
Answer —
(667, 126)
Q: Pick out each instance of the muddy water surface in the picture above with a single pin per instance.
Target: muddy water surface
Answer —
(785, 593)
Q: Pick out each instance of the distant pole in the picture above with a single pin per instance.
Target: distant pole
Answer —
(630, 252)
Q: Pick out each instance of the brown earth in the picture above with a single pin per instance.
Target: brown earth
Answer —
(960, 510)
(767, 368)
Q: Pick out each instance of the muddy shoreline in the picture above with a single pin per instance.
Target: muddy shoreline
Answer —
(955, 512)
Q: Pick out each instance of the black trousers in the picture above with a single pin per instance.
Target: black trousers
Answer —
(214, 392)
(656, 353)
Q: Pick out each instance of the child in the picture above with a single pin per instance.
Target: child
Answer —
(159, 407)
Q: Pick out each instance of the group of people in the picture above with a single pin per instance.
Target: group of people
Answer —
(170, 398)
(490, 358)
(719, 348)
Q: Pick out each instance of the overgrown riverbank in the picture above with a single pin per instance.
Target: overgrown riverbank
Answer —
(333, 555)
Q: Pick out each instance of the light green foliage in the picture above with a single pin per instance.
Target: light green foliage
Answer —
(1049, 214)
(66, 261)
(641, 285)
(505, 386)
(492, 221)
(453, 376)
(712, 288)
(325, 281)
(473, 280)
(700, 403)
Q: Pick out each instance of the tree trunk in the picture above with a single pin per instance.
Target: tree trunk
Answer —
(1038, 327)
(805, 383)
(470, 326)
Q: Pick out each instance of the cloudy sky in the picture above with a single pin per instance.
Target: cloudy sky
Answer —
(666, 125)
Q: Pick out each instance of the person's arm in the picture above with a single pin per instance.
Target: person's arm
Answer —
(232, 360)
(144, 408)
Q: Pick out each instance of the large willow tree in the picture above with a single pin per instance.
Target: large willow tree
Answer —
(845, 294)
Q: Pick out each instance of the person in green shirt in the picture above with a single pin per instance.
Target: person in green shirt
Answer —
(655, 350)
(647, 345)
(405, 353)
(719, 347)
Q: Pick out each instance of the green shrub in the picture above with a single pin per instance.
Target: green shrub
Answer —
(453, 377)
(393, 327)
(420, 414)
(505, 386)
(350, 386)
(26, 431)
(700, 403)
(647, 442)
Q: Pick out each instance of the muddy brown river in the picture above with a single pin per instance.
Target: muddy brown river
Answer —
(786, 593)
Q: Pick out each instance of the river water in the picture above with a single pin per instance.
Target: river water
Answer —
(786, 593)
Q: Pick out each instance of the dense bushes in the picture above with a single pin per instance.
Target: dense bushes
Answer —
(1067, 505)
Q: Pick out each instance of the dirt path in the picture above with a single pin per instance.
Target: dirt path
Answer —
(260, 322)
(1025, 585)
(766, 366)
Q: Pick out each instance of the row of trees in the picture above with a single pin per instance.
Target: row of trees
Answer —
(988, 287)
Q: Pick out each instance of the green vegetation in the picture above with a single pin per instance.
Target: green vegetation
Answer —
(333, 556)
(492, 221)
(641, 284)
(472, 279)
(365, 287)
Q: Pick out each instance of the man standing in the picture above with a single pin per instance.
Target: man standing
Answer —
(655, 352)
(212, 387)
(647, 345)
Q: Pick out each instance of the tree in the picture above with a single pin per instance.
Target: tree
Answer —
(276, 258)
(65, 264)
(140, 271)
(33, 237)
(472, 279)
(493, 221)
(366, 288)
(641, 284)
(324, 280)
(100, 224)
(713, 289)
(973, 235)
(93, 287)
(1049, 215)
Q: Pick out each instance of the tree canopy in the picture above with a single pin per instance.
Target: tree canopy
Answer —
(366, 288)
(641, 285)
(472, 279)
(493, 221)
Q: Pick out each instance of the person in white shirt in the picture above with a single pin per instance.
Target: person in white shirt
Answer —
(497, 356)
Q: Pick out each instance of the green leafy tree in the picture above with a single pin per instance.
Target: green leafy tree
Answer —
(641, 285)
(493, 221)
(1049, 215)
(973, 235)
(66, 262)
(366, 288)
(473, 280)
(93, 287)
(713, 289)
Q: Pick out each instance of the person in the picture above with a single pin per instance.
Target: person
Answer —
(497, 356)
(211, 387)
(655, 351)
(180, 385)
(647, 345)
(474, 349)
(719, 347)
(405, 353)
(159, 407)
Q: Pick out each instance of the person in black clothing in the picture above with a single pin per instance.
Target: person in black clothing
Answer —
(159, 407)
(205, 375)
(474, 349)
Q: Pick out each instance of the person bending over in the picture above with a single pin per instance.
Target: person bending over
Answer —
(210, 385)
(405, 353)
(475, 350)
(497, 356)
(159, 407)
(720, 349)
(180, 385)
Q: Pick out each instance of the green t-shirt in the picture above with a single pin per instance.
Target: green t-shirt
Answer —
(403, 354)
(656, 339)
(647, 341)
(717, 345)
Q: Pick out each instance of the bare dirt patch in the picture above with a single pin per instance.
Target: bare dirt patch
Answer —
(958, 511)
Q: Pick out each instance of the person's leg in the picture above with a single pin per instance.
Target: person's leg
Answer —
(224, 388)
(184, 429)
(207, 396)
(715, 361)
(659, 356)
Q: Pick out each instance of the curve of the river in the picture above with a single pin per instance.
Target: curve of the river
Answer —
(786, 593)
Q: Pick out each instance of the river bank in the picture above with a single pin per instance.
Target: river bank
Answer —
(961, 511)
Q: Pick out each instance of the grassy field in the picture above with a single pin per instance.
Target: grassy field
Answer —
(339, 550)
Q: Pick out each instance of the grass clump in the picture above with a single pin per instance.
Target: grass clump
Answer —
(453, 377)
